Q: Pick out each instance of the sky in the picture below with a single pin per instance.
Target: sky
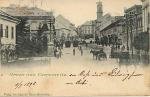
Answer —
(77, 11)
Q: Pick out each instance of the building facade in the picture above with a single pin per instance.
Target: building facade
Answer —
(65, 30)
(146, 22)
(37, 27)
(102, 21)
(146, 15)
(87, 30)
(105, 21)
(134, 26)
(7, 35)
(115, 32)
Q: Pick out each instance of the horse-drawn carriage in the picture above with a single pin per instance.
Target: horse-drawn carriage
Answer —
(68, 44)
(98, 52)
(75, 43)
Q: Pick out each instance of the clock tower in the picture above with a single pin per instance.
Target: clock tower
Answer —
(99, 10)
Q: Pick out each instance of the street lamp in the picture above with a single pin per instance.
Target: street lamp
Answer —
(93, 30)
(127, 29)
(131, 35)
(97, 27)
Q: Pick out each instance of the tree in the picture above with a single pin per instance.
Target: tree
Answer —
(141, 41)
(22, 33)
(41, 43)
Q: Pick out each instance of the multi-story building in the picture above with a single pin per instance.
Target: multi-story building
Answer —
(7, 34)
(105, 21)
(146, 22)
(35, 20)
(87, 30)
(115, 31)
(64, 28)
(8, 29)
(146, 15)
(34, 16)
(102, 21)
(133, 25)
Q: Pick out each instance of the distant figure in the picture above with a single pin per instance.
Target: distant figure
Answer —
(60, 53)
(61, 44)
(86, 44)
(81, 51)
(57, 53)
(55, 50)
(91, 42)
(74, 52)
(79, 47)
(123, 48)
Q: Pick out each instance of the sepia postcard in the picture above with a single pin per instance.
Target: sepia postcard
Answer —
(74, 48)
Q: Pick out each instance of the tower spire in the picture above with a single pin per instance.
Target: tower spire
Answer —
(99, 10)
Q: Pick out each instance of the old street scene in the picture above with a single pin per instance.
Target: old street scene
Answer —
(34, 36)
(74, 47)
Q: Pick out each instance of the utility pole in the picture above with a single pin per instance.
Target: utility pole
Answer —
(93, 30)
(0, 48)
(131, 36)
(51, 34)
(148, 30)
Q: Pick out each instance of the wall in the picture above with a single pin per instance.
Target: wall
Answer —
(146, 17)
(8, 40)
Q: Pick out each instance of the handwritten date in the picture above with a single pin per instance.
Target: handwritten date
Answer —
(21, 84)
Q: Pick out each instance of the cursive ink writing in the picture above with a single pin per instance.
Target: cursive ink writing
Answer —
(84, 74)
(82, 82)
(126, 76)
(116, 72)
(25, 84)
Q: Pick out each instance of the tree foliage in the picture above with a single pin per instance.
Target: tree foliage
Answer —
(29, 44)
(141, 41)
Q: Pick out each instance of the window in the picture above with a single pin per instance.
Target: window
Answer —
(12, 32)
(1, 30)
(6, 32)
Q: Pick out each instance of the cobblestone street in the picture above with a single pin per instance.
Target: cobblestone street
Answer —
(67, 60)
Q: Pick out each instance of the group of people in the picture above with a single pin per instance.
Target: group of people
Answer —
(108, 40)
(80, 49)
(57, 52)
(58, 44)
(7, 54)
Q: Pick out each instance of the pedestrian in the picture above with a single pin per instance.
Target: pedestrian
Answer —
(61, 45)
(60, 53)
(86, 44)
(81, 51)
(79, 47)
(74, 51)
(55, 51)
(123, 48)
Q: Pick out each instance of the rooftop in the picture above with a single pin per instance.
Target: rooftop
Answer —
(133, 7)
(5, 16)
(15, 10)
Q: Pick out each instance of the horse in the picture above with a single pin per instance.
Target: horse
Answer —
(95, 53)
(98, 54)
(103, 55)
